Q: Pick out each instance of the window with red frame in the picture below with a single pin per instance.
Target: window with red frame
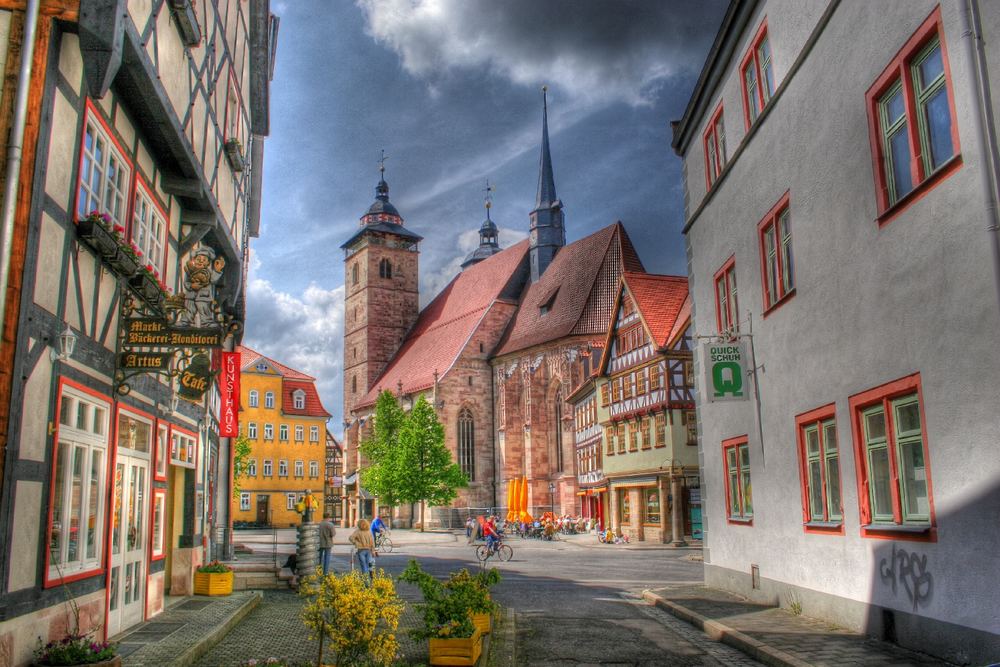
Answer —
(757, 75)
(894, 475)
(777, 271)
(911, 113)
(715, 147)
(726, 303)
(739, 494)
(149, 227)
(820, 464)
(105, 174)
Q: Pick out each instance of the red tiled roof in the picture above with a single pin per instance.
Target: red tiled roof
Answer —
(446, 323)
(660, 300)
(570, 278)
(313, 406)
(249, 357)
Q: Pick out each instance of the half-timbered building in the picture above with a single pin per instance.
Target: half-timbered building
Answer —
(646, 385)
(126, 224)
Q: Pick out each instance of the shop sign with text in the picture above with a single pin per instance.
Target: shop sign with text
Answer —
(229, 390)
(726, 371)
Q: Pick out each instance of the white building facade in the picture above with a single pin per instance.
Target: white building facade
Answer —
(840, 191)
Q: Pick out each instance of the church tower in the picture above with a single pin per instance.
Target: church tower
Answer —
(547, 230)
(489, 235)
(381, 298)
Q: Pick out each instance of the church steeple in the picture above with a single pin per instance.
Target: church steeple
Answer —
(489, 235)
(548, 232)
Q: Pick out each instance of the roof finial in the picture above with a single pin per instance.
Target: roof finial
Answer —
(489, 189)
(381, 164)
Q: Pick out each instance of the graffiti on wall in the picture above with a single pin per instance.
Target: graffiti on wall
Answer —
(908, 570)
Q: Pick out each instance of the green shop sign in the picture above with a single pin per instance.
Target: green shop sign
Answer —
(726, 372)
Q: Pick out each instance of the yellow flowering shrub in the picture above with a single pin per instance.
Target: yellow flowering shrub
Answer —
(359, 619)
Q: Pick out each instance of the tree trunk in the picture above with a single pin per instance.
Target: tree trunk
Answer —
(423, 515)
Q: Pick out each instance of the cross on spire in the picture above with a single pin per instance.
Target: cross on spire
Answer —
(381, 164)
(489, 190)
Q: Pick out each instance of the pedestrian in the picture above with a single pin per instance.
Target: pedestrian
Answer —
(327, 531)
(364, 543)
(469, 523)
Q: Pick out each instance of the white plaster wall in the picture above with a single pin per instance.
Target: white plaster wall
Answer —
(24, 541)
(70, 63)
(34, 420)
(50, 245)
(64, 143)
(872, 305)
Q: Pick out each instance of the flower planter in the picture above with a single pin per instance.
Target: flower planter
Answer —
(456, 651)
(234, 154)
(124, 264)
(483, 622)
(213, 583)
(148, 290)
(98, 237)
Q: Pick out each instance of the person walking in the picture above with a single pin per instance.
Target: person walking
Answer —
(364, 543)
(469, 525)
(327, 531)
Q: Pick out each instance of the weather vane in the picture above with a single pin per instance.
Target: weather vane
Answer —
(381, 163)
(489, 190)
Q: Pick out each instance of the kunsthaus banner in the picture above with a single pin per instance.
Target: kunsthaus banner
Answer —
(229, 390)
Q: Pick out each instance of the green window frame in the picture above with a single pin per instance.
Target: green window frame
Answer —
(739, 495)
(896, 468)
(930, 91)
(822, 473)
(894, 126)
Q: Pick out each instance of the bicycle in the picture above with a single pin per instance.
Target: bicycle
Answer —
(502, 551)
(383, 544)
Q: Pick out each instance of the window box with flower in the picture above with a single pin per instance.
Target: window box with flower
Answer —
(96, 232)
(148, 286)
(127, 260)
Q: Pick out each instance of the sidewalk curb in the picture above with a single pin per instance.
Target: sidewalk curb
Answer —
(727, 635)
(631, 547)
(191, 654)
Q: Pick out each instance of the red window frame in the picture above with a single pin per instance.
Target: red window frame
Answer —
(714, 169)
(770, 221)
(153, 555)
(91, 111)
(734, 443)
(751, 55)
(49, 581)
(898, 70)
(858, 403)
(193, 436)
(732, 310)
(802, 422)
(140, 181)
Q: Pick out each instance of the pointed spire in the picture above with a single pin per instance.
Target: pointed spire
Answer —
(546, 182)
(489, 235)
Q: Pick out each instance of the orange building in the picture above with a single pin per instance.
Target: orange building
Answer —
(282, 415)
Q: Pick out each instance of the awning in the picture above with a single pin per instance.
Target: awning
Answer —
(351, 479)
(583, 493)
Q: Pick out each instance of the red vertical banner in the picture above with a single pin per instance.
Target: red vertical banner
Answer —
(229, 391)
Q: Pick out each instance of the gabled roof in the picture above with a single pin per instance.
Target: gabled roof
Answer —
(249, 357)
(445, 325)
(659, 300)
(313, 406)
(572, 278)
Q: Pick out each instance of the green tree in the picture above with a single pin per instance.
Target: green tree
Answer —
(424, 469)
(241, 457)
(380, 477)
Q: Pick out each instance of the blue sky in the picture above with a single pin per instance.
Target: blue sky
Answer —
(451, 90)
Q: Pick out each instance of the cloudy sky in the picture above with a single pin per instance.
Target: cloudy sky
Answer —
(451, 90)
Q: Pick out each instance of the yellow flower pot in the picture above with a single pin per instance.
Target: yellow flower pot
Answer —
(456, 651)
(213, 583)
(483, 622)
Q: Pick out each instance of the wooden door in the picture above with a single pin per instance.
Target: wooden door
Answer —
(263, 514)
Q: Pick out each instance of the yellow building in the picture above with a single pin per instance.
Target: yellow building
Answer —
(282, 415)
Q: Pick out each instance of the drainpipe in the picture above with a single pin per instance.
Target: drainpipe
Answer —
(972, 43)
(15, 147)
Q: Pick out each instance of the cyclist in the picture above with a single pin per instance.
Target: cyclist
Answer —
(490, 532)
(378, 528)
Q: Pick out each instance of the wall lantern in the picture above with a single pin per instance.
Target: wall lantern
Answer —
(67, 344)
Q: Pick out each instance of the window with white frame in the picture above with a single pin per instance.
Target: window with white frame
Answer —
(314, 434)
(314, 468)
(76, 535)
(269, 399)
(268, 431)
(254, 398)
(283, 432)
(300, 469)
(299, 399)
(300, 433)
(282, 468)
(252, 468)
(104, 174)
(149, 227)
(252, 430)
(268, 468)
(244, 501)
(289, 501)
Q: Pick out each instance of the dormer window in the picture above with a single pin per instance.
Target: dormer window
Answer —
(548, 303)
(299, 399)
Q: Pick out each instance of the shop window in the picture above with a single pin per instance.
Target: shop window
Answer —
(79, 485)
(819, 465)
(625, 509)
(651, 505)
(159, 516)
(739, 494)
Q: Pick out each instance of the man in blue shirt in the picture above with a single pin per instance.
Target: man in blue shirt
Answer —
(377, 526)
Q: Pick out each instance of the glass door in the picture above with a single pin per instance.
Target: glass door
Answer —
(128, 544)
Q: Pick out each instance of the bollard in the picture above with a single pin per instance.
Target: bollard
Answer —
(307, 550)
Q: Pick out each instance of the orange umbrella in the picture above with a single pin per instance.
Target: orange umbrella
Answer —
(523, 504)
(510, 500)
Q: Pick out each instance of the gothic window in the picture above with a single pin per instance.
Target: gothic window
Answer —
(557, 420)
(354, 275)
(466, 444)
(384, 269)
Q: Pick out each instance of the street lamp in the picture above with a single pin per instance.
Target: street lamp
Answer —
(552, 502)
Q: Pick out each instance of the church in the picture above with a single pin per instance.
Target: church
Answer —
(497, 352)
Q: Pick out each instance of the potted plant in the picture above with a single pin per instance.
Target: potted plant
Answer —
(95, 230)
(474, 593)
(213, 579)
(77, 647)
(127, 260)
(452, 635)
